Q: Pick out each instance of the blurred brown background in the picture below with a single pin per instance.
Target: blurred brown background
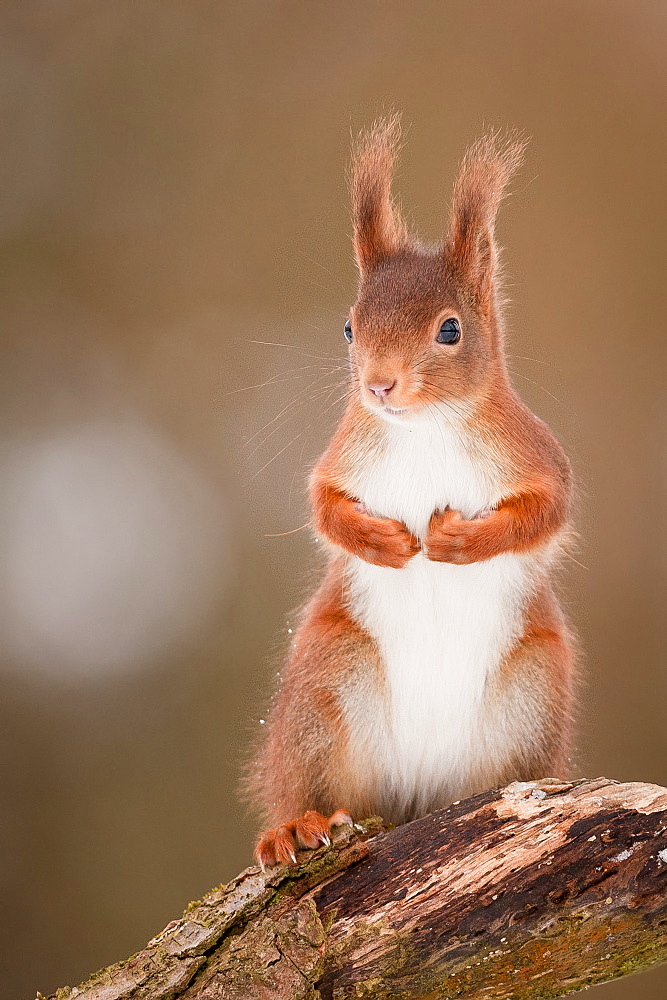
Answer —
(172, 190)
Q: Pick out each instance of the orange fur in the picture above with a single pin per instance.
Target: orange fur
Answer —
(344, 522)
(307, 767)
(521, 520)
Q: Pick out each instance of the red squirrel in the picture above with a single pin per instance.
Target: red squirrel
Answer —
(434, 661)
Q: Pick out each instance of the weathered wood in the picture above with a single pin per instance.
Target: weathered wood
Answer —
(533, 891)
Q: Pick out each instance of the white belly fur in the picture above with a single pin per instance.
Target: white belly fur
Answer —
(441, 628)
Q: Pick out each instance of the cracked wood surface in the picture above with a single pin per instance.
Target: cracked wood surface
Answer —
(531, 891)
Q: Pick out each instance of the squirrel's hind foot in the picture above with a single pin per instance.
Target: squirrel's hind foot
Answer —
(312, 830)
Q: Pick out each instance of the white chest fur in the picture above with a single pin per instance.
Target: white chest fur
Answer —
(423, 465)
(441, 628)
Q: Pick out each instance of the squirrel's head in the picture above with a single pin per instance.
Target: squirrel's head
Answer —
(426, 326)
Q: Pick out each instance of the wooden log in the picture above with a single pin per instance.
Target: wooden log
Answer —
(532, 891)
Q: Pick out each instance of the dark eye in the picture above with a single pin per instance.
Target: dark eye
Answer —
(348, 332)
(449, 332)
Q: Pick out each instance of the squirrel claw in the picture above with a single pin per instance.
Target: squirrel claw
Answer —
(308, 832)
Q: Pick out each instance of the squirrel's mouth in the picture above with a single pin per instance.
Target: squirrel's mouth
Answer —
(395, 412)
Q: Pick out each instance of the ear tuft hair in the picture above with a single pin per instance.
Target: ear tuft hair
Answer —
(379, 229)
(483, 176)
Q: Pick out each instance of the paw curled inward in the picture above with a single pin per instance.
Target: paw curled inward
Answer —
(278, 846)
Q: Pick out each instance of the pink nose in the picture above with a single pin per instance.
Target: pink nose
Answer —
(382, 389)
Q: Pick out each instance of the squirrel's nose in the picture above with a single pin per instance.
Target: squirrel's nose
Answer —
(381, 389)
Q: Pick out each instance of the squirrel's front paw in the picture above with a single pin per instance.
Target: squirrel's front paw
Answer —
(384, 542)
(312, 830)
(451, 539)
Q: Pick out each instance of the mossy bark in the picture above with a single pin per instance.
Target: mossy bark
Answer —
(531, 891)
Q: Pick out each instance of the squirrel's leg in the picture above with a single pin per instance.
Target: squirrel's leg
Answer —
(305, 778)
(346, 522)
(521, 521)
(529, 699)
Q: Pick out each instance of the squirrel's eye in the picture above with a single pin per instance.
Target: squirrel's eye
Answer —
(449, 332)
(348, 332)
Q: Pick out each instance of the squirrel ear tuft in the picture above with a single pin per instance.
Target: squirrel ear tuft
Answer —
(379, 230)
(470, 247)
